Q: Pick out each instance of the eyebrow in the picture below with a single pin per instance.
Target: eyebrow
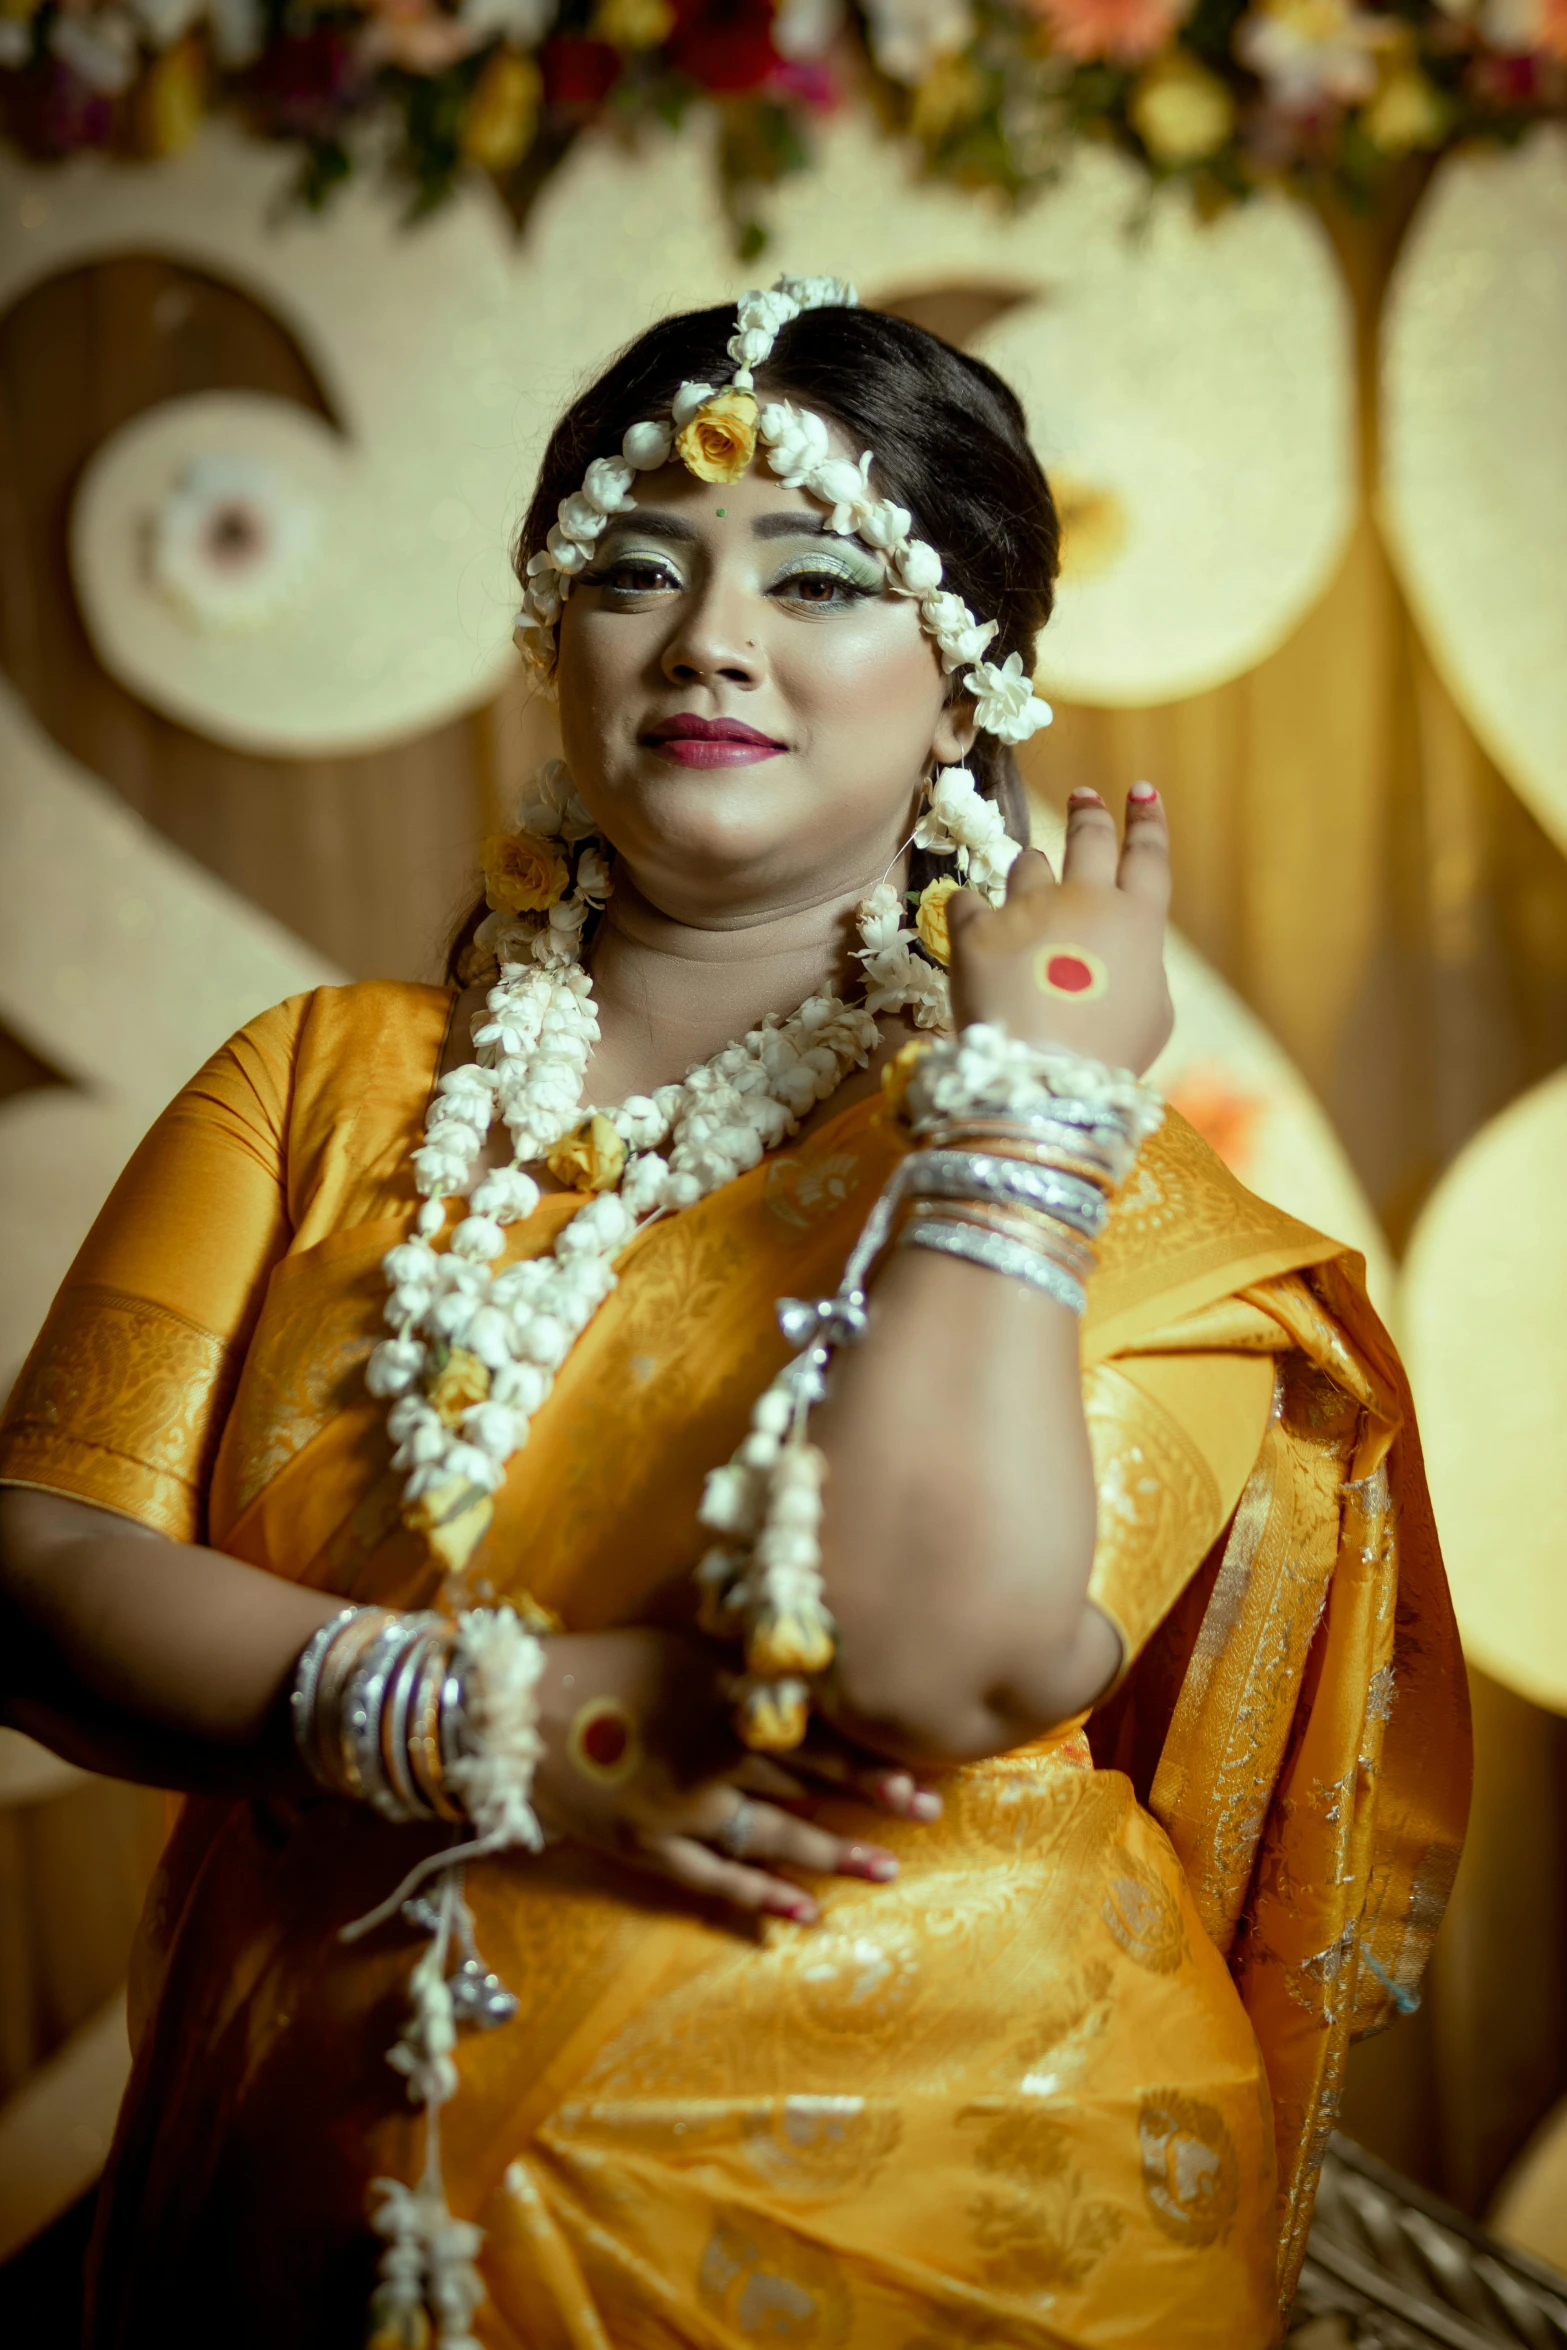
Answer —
(766, 526)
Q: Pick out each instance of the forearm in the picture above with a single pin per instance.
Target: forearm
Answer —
(152, 1659)
(958, 1532)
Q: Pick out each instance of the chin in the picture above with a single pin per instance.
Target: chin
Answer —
(713, 824)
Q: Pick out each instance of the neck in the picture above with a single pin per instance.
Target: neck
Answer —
(671, 990)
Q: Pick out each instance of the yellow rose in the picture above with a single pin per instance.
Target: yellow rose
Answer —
(720, 440)
(462, 1380)
(1406, 113)
(170, 101)
(930, 919)
(590, 1158)
(895, 1077)
(1181, 111)
(502, 115)
(633, 24)
(950, 96)
(523, 874)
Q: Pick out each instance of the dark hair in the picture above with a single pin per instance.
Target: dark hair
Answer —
(949, 441)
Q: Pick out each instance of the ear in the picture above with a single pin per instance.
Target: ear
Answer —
(955, 730)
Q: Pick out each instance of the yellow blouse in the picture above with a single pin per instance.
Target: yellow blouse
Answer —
(1069, 2080)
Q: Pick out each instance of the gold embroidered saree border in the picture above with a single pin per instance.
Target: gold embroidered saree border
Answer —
(121, 1403)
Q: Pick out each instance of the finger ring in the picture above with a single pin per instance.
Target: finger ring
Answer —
(734, 1837)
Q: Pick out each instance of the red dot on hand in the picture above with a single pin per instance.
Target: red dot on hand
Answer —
(1069, 973)
(605, 1738)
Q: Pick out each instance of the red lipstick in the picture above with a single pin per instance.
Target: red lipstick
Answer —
(709, 742)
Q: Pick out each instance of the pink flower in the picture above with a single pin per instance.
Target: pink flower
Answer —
(414, 35)
(1125, 30)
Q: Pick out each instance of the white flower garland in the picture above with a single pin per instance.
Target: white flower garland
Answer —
(798, 446)
(511, 1329)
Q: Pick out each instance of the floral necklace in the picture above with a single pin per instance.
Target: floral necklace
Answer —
(477, 1344)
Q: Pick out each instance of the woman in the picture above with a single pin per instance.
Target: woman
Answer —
(1137, 1639)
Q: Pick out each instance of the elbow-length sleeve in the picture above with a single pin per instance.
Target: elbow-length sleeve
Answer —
(123, 1398)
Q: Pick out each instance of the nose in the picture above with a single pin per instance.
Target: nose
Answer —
(709, 643)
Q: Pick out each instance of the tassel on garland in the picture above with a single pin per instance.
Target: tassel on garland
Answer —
(765, 1585)
(428, 2269)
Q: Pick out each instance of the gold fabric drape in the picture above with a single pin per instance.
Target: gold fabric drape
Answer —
(1023, 2086)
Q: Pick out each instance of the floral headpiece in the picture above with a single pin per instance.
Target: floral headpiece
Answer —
(714, 431)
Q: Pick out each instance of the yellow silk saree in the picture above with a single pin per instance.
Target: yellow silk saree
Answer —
(1068, 2081)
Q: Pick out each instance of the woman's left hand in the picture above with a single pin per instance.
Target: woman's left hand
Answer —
(1078, 962)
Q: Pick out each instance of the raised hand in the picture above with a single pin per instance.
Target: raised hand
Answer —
(640, 1762)
(1078, 962)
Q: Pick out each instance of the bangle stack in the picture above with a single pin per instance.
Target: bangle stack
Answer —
(1018, 1150)
(1008, 1206)
(421, 1717)
(429, 1719)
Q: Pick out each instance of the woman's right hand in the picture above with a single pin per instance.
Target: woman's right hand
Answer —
(640, 1761)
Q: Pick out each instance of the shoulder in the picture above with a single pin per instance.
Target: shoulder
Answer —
(332, 1059)
(328, 1030)
(1184, 1232)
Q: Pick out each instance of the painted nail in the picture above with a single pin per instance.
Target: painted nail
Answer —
(869, 1860)
(800, 1910)
(925, 1806)
(1084, 797)
(896, 1790)
(1143, 793)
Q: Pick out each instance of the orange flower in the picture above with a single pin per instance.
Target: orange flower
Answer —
(720, 440)
(1125, 31)
(930, 918)
(590, 1158)
(523, 874)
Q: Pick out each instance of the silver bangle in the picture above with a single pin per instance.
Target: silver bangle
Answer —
(362, 1709)
(404, 1680)
(306, 1688)
(957, 1174)
(997, 1254)
(1031, 1134)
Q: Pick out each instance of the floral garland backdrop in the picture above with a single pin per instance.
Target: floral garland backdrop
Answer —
(1226, 93)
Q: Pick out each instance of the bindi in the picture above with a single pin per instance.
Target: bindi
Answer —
(1071, 971)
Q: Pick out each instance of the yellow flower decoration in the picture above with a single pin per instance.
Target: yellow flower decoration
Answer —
(1181, 111)
(590, 1158)
(633, 24)
(720, 440)
(502, 116)
(895, 1077)
(523, 874)
(462, 1380)
(1407, 113)
(930, 919)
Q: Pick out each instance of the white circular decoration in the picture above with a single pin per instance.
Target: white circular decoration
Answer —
(1474, 450)
(207, 577)
(1484, 1323)
(422, 338)
(1193, 383)
(231, 541)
